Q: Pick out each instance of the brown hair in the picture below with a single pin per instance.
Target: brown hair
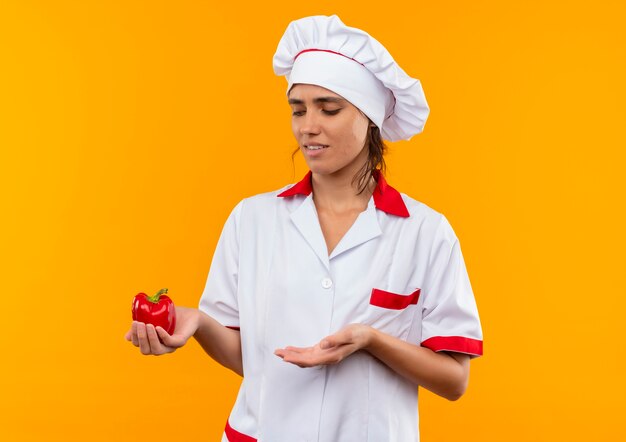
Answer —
(375, 157)
(376, 149)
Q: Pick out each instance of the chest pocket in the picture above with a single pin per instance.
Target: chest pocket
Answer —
(392, 313)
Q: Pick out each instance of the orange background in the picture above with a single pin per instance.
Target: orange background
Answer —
(129, 130)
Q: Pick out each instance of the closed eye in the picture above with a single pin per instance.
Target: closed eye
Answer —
(327, 112)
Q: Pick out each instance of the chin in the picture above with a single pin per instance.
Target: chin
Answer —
(319, 169)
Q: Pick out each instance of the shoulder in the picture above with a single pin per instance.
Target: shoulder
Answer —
(428, 219)
(264, 203)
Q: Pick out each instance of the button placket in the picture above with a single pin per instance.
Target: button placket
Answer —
(327, 283)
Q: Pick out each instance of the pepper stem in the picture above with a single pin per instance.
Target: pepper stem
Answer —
(155, 298)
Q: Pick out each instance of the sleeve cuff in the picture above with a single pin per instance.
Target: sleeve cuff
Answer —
(459, 344)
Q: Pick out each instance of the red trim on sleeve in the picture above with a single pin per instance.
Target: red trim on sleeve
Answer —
(458, 344)
(235, 436)
(386, 198)
(381, 298)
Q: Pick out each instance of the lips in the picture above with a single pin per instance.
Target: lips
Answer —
(315, 146)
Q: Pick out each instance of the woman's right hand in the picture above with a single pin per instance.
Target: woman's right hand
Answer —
(156, 341)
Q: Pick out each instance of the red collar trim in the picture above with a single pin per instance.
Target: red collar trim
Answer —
(386, 198)
(304, 187)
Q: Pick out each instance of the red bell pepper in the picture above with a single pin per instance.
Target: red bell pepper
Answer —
(156, 310)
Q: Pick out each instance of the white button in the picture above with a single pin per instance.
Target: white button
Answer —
(327, 283)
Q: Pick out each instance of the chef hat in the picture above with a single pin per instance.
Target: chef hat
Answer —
(321, 50)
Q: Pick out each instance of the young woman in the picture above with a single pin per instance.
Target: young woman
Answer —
(336, 297)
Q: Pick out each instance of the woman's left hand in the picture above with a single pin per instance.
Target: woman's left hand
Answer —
(330, 350)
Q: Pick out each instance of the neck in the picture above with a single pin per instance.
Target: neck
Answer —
(338, 192)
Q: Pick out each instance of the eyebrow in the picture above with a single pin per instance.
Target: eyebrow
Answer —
(318, 100)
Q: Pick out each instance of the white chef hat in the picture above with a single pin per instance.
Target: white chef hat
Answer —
(321, 50)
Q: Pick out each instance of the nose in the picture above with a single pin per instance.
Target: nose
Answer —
(310, 123)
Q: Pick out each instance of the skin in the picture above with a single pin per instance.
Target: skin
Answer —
(221, 343)
(320, 116)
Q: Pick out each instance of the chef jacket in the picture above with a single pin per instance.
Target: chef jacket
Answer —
(398, 269)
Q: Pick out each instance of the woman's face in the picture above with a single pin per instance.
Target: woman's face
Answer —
(330, 131)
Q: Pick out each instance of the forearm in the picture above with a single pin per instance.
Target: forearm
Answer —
(221, 343)
(441, 373)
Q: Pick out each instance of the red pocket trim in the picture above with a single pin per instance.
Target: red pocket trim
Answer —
(381, 298)
(235, 436)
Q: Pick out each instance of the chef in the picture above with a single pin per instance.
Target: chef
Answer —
(335, 297)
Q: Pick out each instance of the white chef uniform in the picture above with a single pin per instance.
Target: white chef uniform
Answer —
(398, 269)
